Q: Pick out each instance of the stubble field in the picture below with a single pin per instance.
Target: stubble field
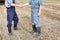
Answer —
(50, 22)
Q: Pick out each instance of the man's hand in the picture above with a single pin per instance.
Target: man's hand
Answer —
(39, 14)
(21, 5)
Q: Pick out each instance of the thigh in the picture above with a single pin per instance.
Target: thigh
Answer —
(35, 13)
(15, 18)
(10, 14)
(35, 16)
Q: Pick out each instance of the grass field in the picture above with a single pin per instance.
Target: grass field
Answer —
(50, 22)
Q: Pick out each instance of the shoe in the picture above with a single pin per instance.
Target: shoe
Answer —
(9, 30)
(38, 33)
(10, 34)
(33, 29)
(15, 27)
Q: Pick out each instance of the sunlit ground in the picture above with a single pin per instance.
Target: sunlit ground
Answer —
(50, 22)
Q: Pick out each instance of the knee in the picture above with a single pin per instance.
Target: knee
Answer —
(17, 19)
(9, 25)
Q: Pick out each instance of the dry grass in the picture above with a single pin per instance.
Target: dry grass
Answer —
(50, 24)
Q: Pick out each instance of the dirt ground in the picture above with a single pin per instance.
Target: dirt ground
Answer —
(50, 22)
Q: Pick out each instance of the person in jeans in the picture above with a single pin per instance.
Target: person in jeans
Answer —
(11, 15)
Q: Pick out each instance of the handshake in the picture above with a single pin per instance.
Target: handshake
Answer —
(22, 5)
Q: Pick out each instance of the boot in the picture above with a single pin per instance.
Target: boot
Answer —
(38, 31)
(33, 29)
(15, 27)
(9, 30)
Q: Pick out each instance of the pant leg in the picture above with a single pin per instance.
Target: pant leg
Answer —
(15, 19)
(32, 20)
(10, 15)
(36, 18)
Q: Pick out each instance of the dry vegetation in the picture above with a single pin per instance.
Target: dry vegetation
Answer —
(50, 23)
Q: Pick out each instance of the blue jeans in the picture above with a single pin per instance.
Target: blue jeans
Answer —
(11, 16)
(34, 17)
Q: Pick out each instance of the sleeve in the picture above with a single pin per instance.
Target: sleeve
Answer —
(10, 1)
(41, 2)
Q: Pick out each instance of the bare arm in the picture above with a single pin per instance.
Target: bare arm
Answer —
(39, 13)
(40, 9)
(21, 5)
(15, 5)
(25, 4)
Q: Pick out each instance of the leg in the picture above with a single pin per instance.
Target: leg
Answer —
(15, 20)
(32, 17)
(33, 25)
(36, 21)
(10, 15)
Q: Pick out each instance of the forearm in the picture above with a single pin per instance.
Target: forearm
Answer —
(39, 13)
(40, 9)
(21, 5)
(15, 5)
(26, 4)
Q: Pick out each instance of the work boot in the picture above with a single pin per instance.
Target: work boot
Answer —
(10, 32)
(38, 31)
(33, 29)
(15, 27)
